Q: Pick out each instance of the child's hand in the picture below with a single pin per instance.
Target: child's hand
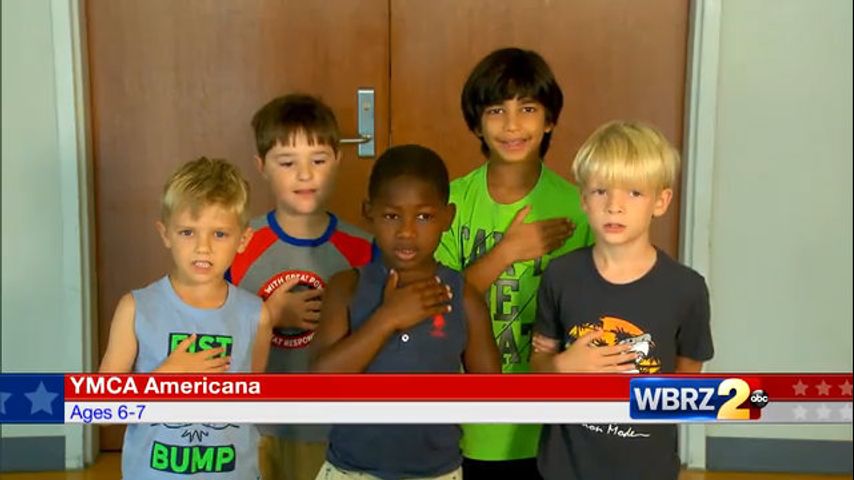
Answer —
(408, 306)
(527, 241)
(205, 361)
(584, 356)
(294, 309)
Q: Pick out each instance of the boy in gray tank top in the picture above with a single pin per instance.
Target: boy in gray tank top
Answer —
(403, 312)
(205, 324)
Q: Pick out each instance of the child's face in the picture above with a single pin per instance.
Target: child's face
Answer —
(514, 129)
(622, 215)
(300, 175)
(203, 246)
(408, 217)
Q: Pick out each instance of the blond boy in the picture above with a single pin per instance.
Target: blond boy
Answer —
(622, 305)
(193, 321)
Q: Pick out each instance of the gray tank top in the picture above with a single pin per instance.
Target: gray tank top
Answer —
(210, 451)
(432, 346)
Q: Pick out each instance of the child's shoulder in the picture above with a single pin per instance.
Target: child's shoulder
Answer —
(475, 179)
(681, 276)
(259, 222)
(352, 230)
(244, 297)
(552, 181)
(574, 261)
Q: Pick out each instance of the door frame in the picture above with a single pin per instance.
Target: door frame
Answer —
(77, 191)
(698, 156)
(77, 208)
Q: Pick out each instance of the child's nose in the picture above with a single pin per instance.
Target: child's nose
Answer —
(614, 204)
(306, 172)
(511, 121)
(203, 243)
(406, 230)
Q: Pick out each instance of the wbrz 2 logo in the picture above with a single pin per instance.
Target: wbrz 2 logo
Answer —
(695, 399)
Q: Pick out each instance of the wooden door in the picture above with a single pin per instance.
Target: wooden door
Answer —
(614, 59)
(174, 80)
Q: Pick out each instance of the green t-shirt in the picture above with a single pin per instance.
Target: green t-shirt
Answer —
(480, 222)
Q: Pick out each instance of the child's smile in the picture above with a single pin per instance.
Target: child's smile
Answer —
(514, 129)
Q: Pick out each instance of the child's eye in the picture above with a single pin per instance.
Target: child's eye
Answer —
(529, 108)
(220, 234)
(390, 216)
(185, 232)
(598, 191)
(424, 217)
(286, 164)
(493, 110)
(635, 193)
(319, 160)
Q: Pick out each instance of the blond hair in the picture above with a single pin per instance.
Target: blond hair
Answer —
(623, 153)
(205, 182)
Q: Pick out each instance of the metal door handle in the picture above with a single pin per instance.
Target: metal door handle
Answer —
(356, 141)
(365, 125)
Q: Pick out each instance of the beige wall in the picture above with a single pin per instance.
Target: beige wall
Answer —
(781, 231)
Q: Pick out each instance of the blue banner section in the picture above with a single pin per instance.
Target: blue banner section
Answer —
(689, 399)
(32, 398)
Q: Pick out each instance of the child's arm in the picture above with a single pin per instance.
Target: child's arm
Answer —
(522, 241)
(261, 348)
(688, 365)
(582, 356)
(481, 353)
(294, 309)
(336, 349)
(121, 347)
(694, 337)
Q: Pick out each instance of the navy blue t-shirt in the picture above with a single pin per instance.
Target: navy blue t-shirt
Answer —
(404, 451)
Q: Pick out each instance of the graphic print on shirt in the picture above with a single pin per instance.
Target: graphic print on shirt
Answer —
(204, 341)
(621, 332)
(289, 338)
(194, 456)
(507, 301)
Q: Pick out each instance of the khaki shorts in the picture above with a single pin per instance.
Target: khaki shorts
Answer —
(331, 472)
(283, 459)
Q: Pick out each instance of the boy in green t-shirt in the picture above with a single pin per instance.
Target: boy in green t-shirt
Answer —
(513, 215)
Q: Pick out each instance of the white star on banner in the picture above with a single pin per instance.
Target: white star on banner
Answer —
(41, 399)
(823, 388)
(845, 388)
(800, 412)
(845, 412)
(800, 387)
(3, 397)
(823, 412)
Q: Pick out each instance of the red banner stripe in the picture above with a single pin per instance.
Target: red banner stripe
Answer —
(427, 387)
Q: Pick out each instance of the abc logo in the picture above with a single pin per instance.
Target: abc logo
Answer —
(758, 398)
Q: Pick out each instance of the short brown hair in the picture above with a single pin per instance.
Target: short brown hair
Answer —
(282, 118)
(204, 182)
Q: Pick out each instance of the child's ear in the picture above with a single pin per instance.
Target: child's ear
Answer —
(450, 213)
(549, 127)
(161, 229)
(584, 205)
(259, 164)
(366, 210)
(662, 201)
(245, 237)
